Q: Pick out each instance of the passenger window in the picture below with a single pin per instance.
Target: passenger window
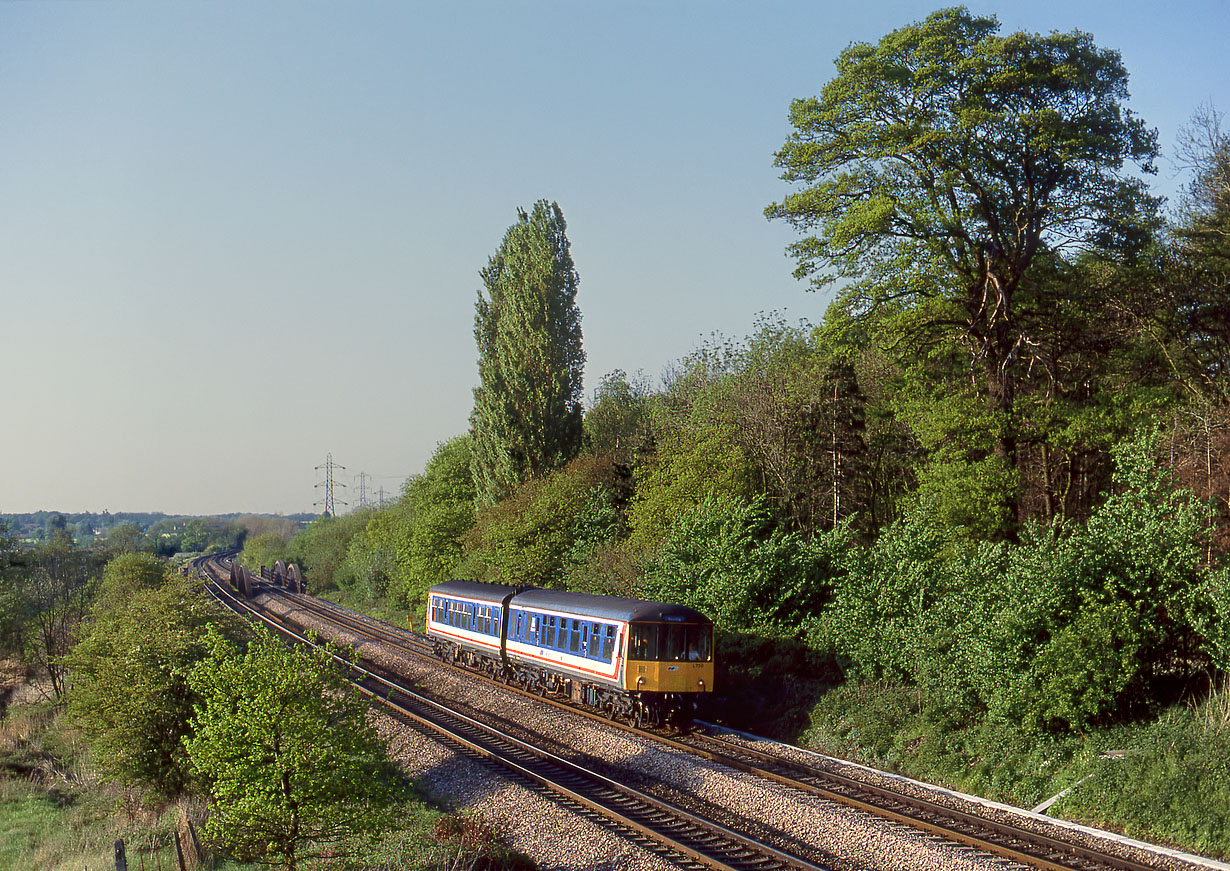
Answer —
(608, 644)
(595, 640)
(575, 641)
(520, 616)
(549, 641)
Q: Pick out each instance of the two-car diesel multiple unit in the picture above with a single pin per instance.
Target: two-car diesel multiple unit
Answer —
(647, 662)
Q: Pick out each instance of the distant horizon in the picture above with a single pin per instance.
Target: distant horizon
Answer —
(236, 514)
(234, 239)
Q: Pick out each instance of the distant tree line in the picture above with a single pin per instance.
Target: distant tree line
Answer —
(159, 534)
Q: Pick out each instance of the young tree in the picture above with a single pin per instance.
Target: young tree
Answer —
(295, 770)
(527, 407)
(944, 162)
(56, 585)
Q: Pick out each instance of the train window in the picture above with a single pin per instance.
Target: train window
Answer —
(700, 643)
(644, 642)
(595, 640)
(520, 618)
(574, 642)
(549, 640)
(692, 643)
(608, 644)
(672, 646)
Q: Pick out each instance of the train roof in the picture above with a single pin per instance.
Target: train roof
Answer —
(493, 593)
(581, 604)
(608, 607)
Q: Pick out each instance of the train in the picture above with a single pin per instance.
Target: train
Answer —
(649, 663)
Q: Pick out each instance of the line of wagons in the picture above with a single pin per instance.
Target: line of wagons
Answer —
(649, 663)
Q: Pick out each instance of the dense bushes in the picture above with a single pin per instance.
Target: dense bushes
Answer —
(727, 559)
(1074, 624)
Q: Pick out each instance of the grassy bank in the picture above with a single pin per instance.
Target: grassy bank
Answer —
(55, 814)
(1163, 780)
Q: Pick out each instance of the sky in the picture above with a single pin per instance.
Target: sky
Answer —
(239, 238)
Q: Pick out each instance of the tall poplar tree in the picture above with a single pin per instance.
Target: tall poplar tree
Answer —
(528, 405)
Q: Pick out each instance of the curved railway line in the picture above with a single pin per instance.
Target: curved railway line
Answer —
(687, 838)
(684, 833)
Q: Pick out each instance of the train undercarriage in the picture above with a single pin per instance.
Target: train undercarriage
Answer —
(640, 709)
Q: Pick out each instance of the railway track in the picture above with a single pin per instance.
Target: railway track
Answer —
(1018, 843)
(687, 838)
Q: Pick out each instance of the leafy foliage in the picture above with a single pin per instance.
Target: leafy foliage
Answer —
(130, 679)
(54, 584)
(725, 559)
(320, 549)
(439, 508)
(531, 537)
(295, 770)
(617, 423)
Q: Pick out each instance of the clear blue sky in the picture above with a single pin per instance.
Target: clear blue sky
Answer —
(235, 237)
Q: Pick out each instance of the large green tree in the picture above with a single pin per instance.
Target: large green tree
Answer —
(295, 769)
(942, 165)
(528, 405)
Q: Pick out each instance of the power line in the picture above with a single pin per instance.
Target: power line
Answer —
(328, 484)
